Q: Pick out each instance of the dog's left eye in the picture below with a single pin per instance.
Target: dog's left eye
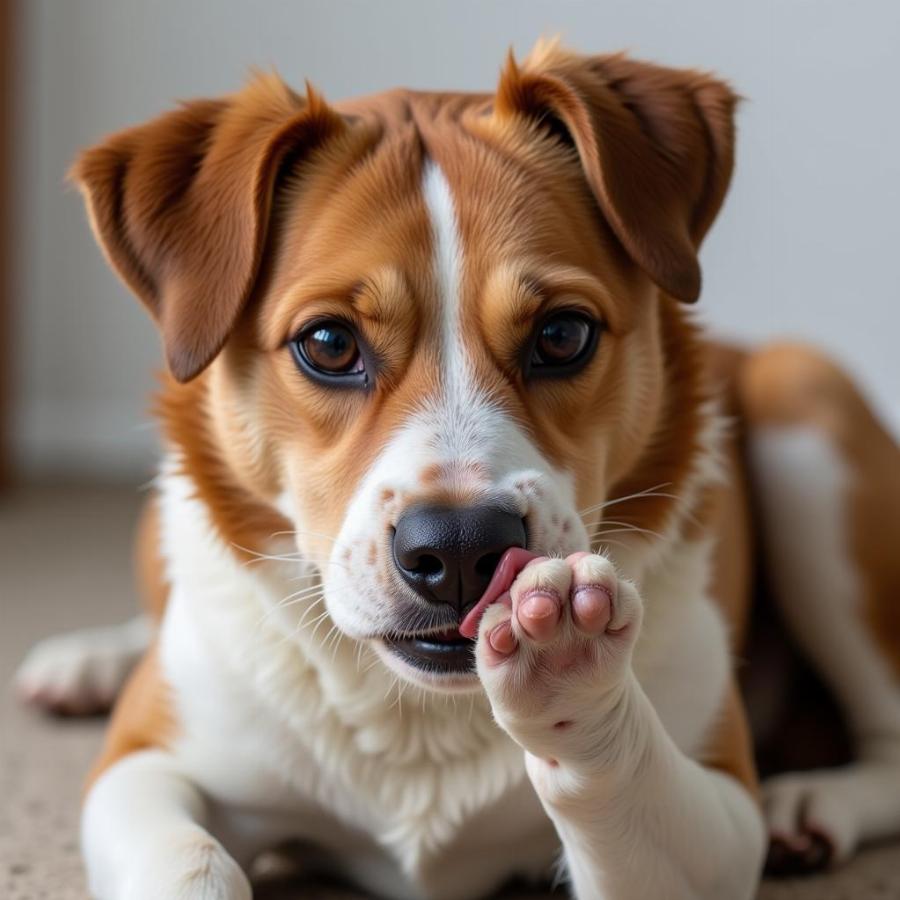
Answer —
(563, 342)
(329, 350)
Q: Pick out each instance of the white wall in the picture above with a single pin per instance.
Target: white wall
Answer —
(807, 245)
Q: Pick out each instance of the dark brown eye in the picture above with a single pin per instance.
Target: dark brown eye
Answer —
(330, 350)
(564, 340)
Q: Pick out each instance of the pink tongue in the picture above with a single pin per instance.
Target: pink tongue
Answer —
(511, 563)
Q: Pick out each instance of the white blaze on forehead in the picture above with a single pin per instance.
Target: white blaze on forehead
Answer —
(463, 422)
(465, 416)
(448, 264)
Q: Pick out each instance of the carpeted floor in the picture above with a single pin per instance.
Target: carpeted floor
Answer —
(64, 563)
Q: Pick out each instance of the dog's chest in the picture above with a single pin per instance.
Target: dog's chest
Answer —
(294, 737)
(394, 793)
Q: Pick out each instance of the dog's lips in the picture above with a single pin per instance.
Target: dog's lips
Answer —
(444, 652)
(511, 563)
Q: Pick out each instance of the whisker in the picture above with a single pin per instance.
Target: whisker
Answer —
(601, 543)
(336, 643)
(309, 595)
(291, 635)
(390, 687)
(262, 557)
(654, 491)
(312, 593)
(371, 665)
(628, 529)
(314, 624)
(299, 532)
(626, 524)
(314, 603)
(327, 633)
(359, 650)
(300, 594)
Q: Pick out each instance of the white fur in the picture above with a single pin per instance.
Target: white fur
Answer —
(281, 718)
(803, 486)
(143, 838)
(82, 671)
(448, 263)
(291, 726)
(277, 719)
(636, 815)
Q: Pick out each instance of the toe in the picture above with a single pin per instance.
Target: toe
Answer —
(502, 639)
(538, 598)
(497, 641)
(593, 590)
(538, 615)
(591, 608)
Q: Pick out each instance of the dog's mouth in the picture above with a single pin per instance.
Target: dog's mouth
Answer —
(444, 652)
(451, 651)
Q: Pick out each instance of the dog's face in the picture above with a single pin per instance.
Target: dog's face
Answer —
(436, 320)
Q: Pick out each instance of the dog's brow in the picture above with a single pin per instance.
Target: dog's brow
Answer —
(532, 286)
(375, 296)
(576, 282)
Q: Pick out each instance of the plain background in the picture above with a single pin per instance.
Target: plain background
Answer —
(807, 245)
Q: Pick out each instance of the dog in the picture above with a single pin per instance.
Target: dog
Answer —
(450, 559)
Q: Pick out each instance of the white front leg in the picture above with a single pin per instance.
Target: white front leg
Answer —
(636, 816)
(143, 836)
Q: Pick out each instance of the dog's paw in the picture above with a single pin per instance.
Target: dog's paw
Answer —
(189, 866)
(553, 655)
(80, 673)
(811, 818)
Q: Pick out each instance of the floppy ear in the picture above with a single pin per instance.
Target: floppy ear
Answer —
(656, 146)
(181, 206)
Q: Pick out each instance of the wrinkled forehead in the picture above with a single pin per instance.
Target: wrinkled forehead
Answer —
(421, 206)
(354, 215)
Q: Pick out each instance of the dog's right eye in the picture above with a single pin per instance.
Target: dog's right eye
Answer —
(329, 351)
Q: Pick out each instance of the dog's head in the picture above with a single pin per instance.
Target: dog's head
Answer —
(430, 326)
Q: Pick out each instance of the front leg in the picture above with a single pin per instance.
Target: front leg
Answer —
(637, 818)
(143, 836)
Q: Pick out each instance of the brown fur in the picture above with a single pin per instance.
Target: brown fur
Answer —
(730, 745)
(142, 717)
(183, 204)
(657, 147)
(237, 221)
(789, 384)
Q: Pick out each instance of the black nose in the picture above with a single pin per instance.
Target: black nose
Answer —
(448, 555)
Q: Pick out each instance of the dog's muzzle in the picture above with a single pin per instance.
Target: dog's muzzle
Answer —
(447, 556)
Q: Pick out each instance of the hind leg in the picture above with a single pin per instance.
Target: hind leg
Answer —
(82, 672)
(828, 479)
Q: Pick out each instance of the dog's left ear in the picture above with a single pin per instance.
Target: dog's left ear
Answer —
(656, 145)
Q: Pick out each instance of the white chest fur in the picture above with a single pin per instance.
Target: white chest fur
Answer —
(297, 732)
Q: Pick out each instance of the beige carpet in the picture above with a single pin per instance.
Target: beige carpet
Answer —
(64, 562)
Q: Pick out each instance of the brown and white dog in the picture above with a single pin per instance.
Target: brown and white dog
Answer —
(405, 334)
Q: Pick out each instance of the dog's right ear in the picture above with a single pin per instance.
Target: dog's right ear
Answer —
(181, 206)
